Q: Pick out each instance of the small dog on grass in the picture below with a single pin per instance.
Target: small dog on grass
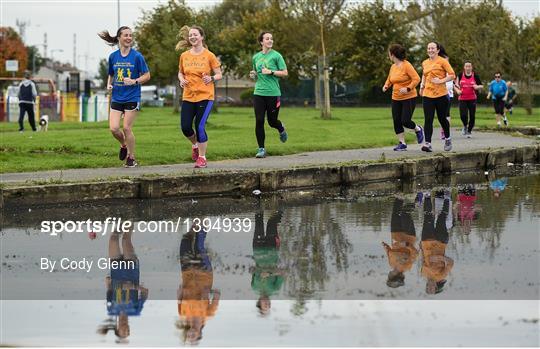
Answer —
(43, 123)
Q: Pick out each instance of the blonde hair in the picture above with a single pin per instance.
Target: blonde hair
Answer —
(183, 35)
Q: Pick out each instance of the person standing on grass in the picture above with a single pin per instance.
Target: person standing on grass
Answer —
(198, 69)
(509, 105)
(27, 97)
(268, 67)
(404, 79)
(468, 83)
(436, 71)
(127, 72)
(498, 92)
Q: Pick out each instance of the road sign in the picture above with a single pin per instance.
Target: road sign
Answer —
(12, 65)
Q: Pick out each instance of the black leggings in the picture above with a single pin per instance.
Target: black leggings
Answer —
(268, 105)
(401, 220)
(402, 112)
(26, 108)
(467, 111)
(440, 104)
(435, 230)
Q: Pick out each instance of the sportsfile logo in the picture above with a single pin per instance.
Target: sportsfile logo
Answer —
(119, 225)
(111, 224)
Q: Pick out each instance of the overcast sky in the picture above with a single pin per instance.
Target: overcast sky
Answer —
(60, 19)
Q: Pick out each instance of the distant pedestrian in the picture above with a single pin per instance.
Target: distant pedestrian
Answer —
(468, 85)
(127, 72)
(27, 98)
(509, 105)
(498, 92)
(268, 67)
(436, 71)
(404, 79)
(198, 70)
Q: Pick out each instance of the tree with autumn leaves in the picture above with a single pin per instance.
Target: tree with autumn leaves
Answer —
(12, 48)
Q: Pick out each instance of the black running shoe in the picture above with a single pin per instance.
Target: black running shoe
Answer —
(130, 162)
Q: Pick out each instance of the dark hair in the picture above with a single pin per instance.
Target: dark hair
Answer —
(398, 51)
(260, 37)
(442, 51)
(395, 279)
(112, 40)
(183, 35)
(498, 72)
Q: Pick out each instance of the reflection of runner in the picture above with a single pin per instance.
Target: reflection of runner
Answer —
(125, 297)
(197, 301)
(466, 211)
(435, 265)
(267, 277)
(402, 253)
(498, 186)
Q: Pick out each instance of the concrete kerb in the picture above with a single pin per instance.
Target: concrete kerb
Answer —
(243, 182)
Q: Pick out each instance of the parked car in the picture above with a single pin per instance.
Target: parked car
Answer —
(225, 99)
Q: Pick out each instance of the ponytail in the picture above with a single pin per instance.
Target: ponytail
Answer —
(112, 40)
(183, 35)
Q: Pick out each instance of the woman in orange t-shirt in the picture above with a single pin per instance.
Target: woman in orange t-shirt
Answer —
(195, 75)
(436, 71)
(404, 79)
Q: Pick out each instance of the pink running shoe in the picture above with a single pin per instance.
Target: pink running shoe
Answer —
(201, 162)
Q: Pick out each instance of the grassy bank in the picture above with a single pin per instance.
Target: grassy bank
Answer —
(231, 135)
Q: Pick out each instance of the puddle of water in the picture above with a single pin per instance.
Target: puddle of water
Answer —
(335, 267)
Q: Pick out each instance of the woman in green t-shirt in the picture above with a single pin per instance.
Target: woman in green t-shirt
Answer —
(268, 67)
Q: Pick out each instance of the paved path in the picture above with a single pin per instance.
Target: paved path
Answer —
(480, 140)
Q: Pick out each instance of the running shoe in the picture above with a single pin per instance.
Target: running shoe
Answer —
(427, 148)
(201, 162)
(261, 153)
(442, 134)
(130, 162)
(400, 147)
(194, 153)
(505, 120)
(469, 135)
(448, 145)
(122, 155)
(464, 131)
(420, 135)
(283, 136)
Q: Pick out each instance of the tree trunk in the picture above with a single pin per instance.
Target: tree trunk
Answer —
(526, 96)
(325, 111)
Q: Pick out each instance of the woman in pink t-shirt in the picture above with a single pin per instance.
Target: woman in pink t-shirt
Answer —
(468, 84)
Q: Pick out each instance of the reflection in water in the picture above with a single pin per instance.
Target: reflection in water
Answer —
(267, 276)
(435, 264)
(498, 185)
(402, 253)
(125, 296)
(327, 252)
(466, 207)
(197, 301)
